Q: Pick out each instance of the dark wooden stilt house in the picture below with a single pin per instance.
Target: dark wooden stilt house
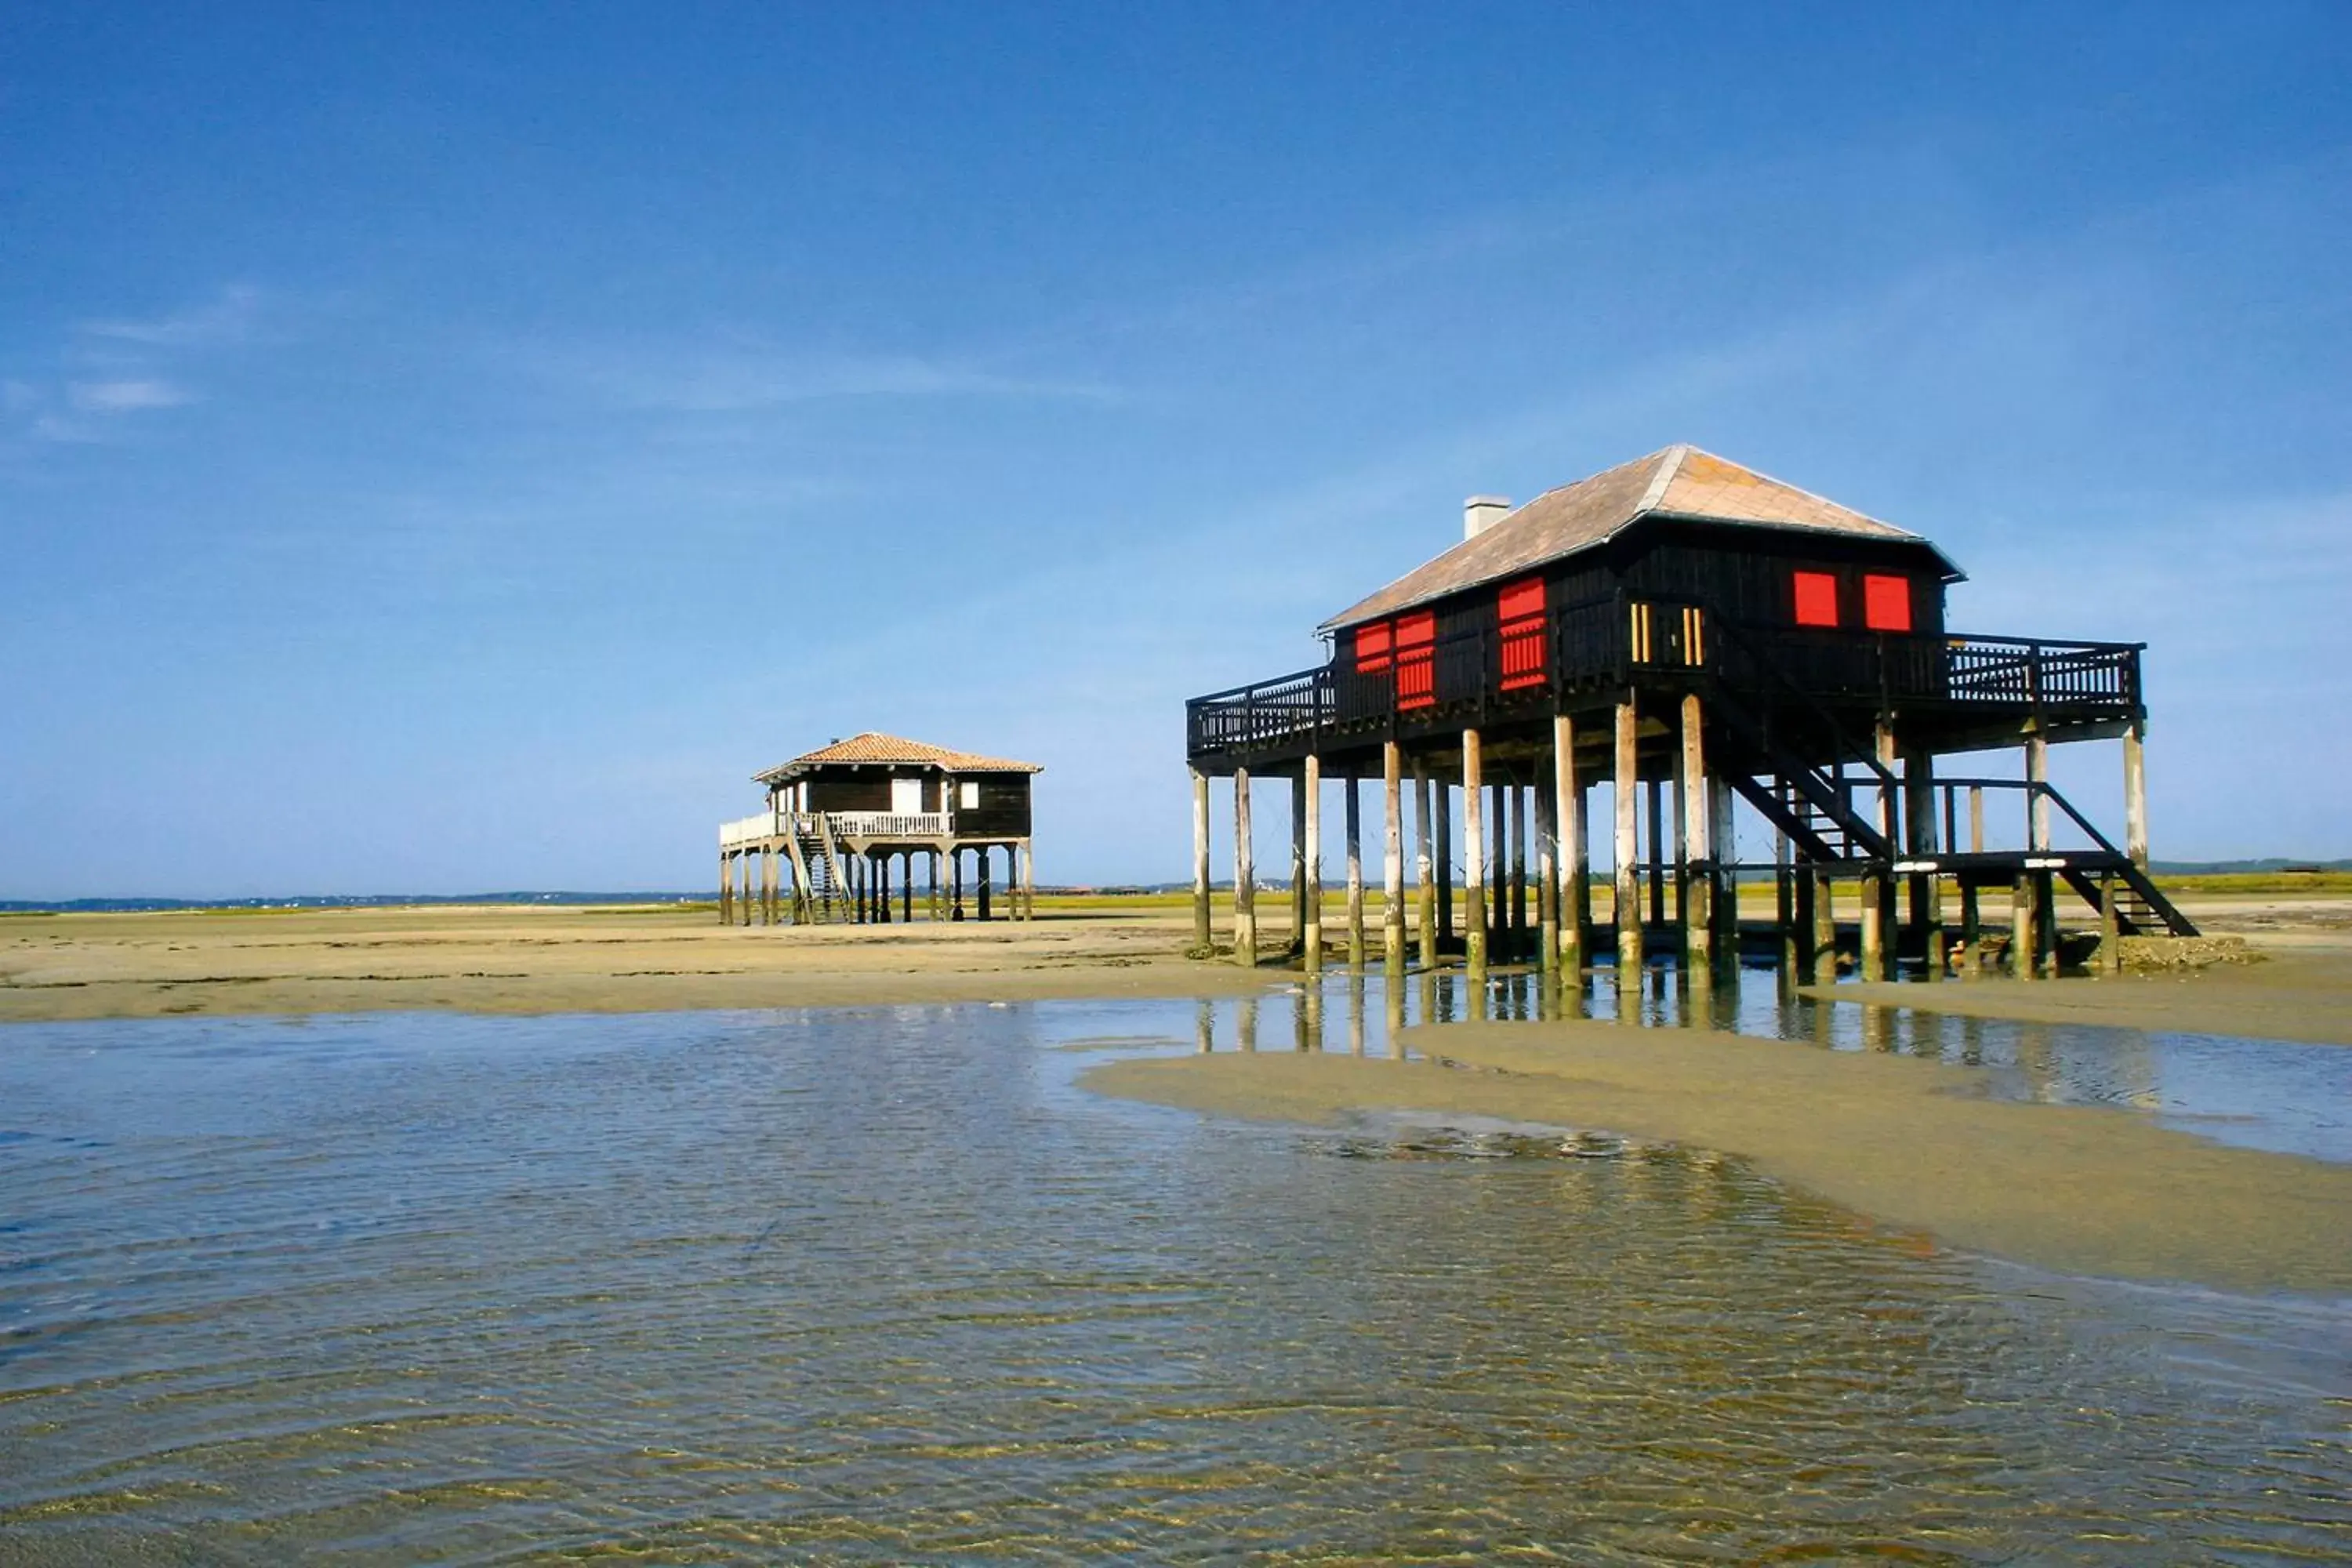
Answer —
(1687, 626)
(851, 823)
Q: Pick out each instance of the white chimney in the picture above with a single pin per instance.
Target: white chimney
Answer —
(1480, 514)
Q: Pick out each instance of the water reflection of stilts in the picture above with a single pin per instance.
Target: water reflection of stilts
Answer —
(1307, 1017)
(1204, 1026)
(1877, 1027)
(1972, 1041)
(1394, 996)
(1356, 1014)
(1245, 1024)
(2036, 1060)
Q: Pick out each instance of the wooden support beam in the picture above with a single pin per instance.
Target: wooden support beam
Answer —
(1297, 867)
(1204, 939)
(1424, 866)
(1628, 910)
(1028, 879)
(2111, 936)
(1473, 861)
(1575, 863)
(987, 874)
(1444, 860)
(1547, 876)
(1971, 930)
(1697, 824)
(2024, 945)
(2037, 773)
(1353, 828)
(1659, 839)
(1309, 895)
(725, 887)
(1393, 856)
(2136, 793)
(1924, 890)
(1824, 928)
(1518, 871)
(1726, 894)
(1245, 876)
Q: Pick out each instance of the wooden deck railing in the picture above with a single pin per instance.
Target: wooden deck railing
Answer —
(845, 825)
(1605, 642)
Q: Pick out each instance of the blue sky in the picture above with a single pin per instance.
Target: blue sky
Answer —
(452, 448)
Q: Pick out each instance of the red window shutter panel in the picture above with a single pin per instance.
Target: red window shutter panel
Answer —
(1887, 602)
(1416, 659)
(1521, 607)
(1372, 643)
(1817, 599)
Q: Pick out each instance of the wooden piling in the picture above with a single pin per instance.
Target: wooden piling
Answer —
(1575, 860)
(1392, 854)
(1971, 930)
(1307, 897)
(1547, 877)
(726, 889)
(1298, 865)
(1245, 876)
(1824, 928)
(1473, 861)
(1924, 888)
(2024, 945)
(1354, 829)
(2136, 793)
(1628, 910)
(1204, 939)
(1656, 849)
(1698, 857)
(1518, 871)
(1424, 868)
(1444, 861)
(2111, 936)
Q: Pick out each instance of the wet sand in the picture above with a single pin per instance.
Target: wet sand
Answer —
(2300, 990)
(565, 960)
(1914, 1144)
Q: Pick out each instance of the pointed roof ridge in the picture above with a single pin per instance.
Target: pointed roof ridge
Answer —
(1673, 465)
(878, 747)
(1681, 482)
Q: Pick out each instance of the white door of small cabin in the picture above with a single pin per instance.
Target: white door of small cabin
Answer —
(907, 797)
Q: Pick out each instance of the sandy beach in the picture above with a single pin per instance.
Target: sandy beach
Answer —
(484, 959)
(522, 959)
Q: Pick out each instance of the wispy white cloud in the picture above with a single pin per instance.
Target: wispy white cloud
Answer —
(110, 397)
(228, 317)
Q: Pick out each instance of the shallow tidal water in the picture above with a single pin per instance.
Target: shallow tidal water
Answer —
(885, 1285)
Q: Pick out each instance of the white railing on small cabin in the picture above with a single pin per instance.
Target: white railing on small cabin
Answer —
(844, 823)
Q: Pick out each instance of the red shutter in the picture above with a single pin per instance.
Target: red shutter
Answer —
(1521, 607)
(1817, 599)
(1372, 644)
(1887, 602)
(1416, 659)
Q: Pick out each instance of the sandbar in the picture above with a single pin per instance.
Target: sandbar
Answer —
(1914, 1144)
(506, 959)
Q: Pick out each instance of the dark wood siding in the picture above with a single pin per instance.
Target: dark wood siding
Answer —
(1002, 811)
(867, 790)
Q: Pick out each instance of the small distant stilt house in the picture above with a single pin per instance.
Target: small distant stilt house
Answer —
(850, 829)
(1695, 633)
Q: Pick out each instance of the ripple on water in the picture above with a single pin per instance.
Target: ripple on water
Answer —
(881, 1284)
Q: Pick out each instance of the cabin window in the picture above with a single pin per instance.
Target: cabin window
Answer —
(1887, 602)
(1817, 599)
(1416, 659)
(967, 795)
(1521, 607)
(1373, 645)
